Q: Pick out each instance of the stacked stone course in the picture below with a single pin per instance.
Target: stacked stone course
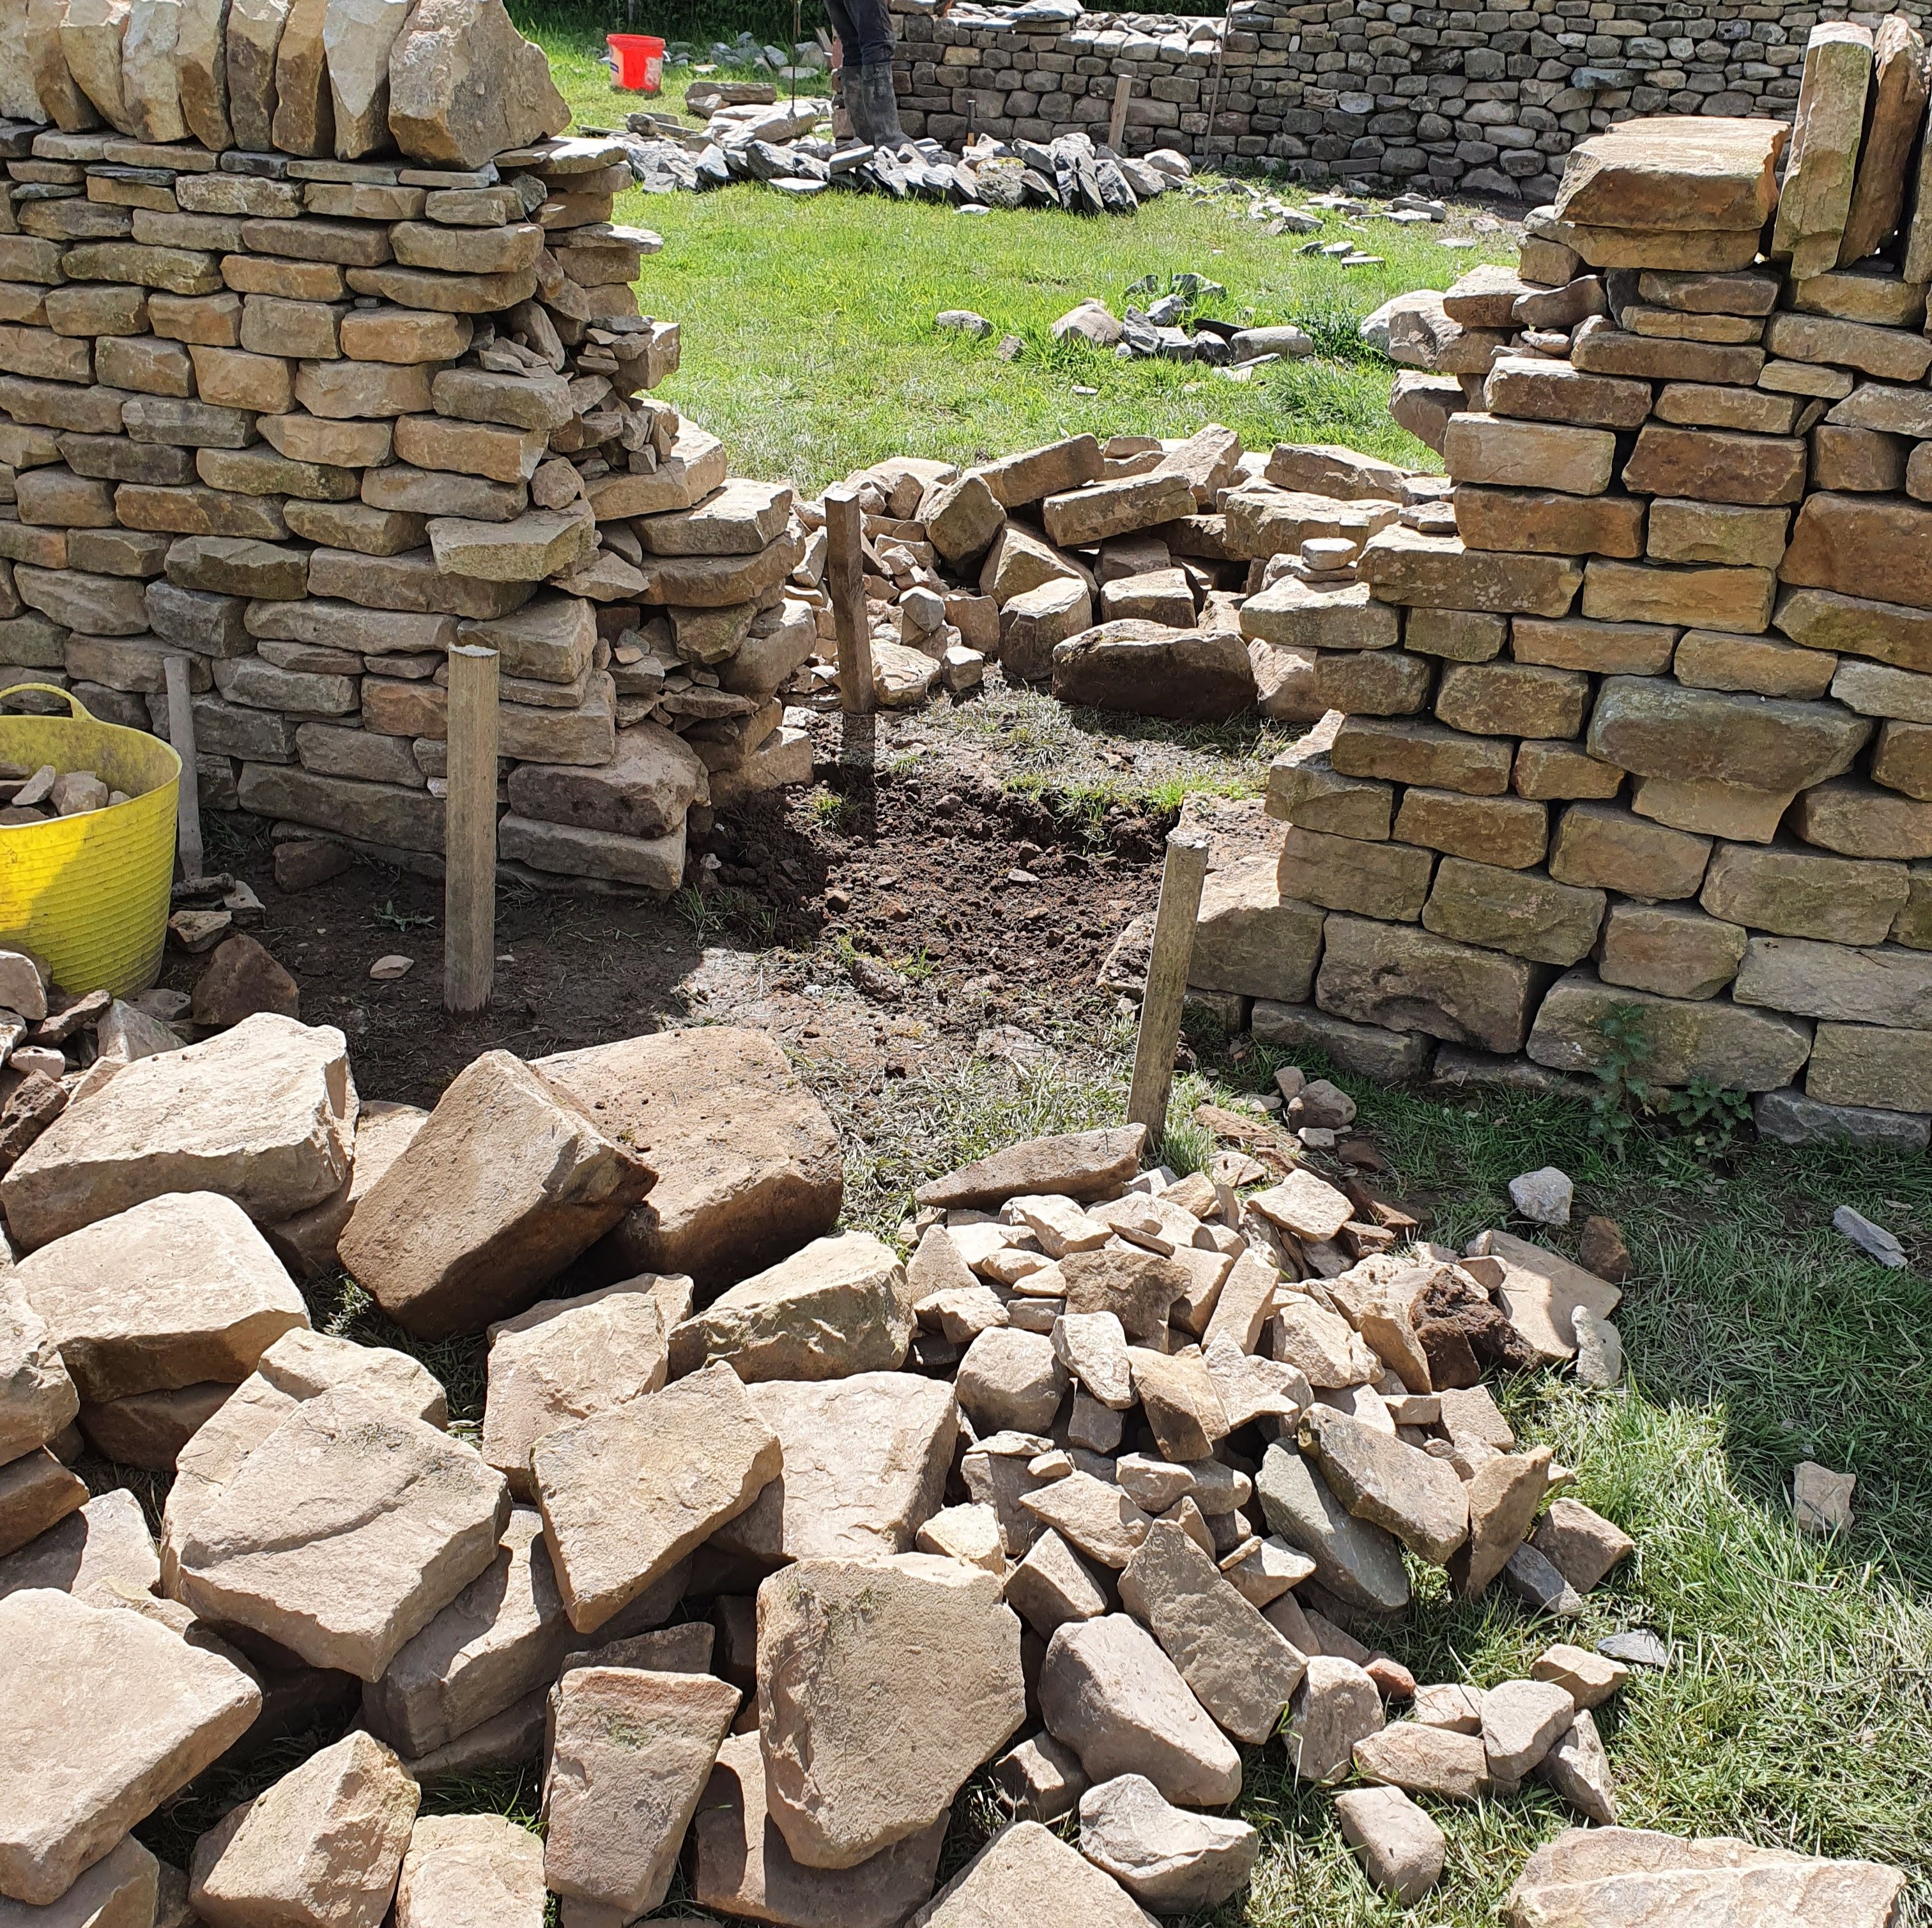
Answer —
(307, 422)
(1616, 727)
(1483, 100)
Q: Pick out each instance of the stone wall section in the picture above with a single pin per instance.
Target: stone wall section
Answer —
(1375, 95)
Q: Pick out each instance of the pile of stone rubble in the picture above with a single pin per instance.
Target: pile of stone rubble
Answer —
(320, 359)
(769, 1540)
(777, 142)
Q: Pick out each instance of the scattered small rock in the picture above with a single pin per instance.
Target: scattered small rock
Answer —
(1821, 1500)
(1874, 1241)
(1543, 1197)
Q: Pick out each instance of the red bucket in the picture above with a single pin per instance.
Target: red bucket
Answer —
(638, 59)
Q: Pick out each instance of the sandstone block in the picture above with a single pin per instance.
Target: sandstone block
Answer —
(1867, 1065)
(1354, 1559)
(1402, 565)
(263, 1114)
(1027, 1873)
(1670, 949)
(1858, 819)
(1798, 893)
(841, 1787)
(1422, 753)
(462, 1868)
(1753, 1051)
(464, 86)
(1511, 453)
(1752, 665)
(1249, 938)
(1388, 880)
(105, 1714)
(1717, 465)
(1606, 648)
(1673, 174)
(1658, 729)
(1524, 913)
(626, 1493)
(1168, 1858)
(1532, 388)
(1513, 699)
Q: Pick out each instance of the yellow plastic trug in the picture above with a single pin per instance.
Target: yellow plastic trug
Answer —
(89, 895)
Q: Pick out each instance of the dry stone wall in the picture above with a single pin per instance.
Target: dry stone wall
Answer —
(307, 382)
(1636, 725)
(1487, 101)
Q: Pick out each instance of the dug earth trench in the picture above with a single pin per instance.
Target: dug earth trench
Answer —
(934, 895)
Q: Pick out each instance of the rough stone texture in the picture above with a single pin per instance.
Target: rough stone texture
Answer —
(1400, 1849)
(627, 1494)
(743, 1867)
(630, 1750)
(749, 1161)
(1639, 1875)
(502, 1637)
(840, 1306)
(1579, 1769)
(865, 1462)
(562, 1360)
(1388, 1483)
(104, 1715)
(505, 1183)
(1521, 1720)
(343, 1534)
(1582, 1545)
(1147, 670)
(1377, 973)
(177, 1290)
(1026, 1875)
(1422, 1759)
(1356, 1560)
(37, 1395)
(858, 1753)
(462, 1869)
(464, 85)
(264, 1114)
(1240, 1668)
(1336, 1706)
(324, 1844)
(1175, 1861)
(104, 1555)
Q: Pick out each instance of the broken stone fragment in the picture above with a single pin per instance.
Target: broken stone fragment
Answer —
(1011, 1380)
(840, 1641)
(1387, 1482)
(1821, 1500)
(743, 1868)
(1580, 1544)
(264, 1114)
(1400, 1849)
(1050, 1586)
(865, 1461)
(564, 1359)
(1422, 1759)
(506, 1182)
(1503, 1497)
(1026, 1875)
(1177, 1393)
(1237, 1666)
(343, 1533)
(1107, 1691)
(627, 1494)
(841, 1306)
(104, 1714)
(1093, 1515)
(1336, 1706)
(37, 1396)
(36, 1492)
(324, 1844)
(175, 1291)
(1039, 1779)
(464, 1870)
(465, 86)
(102, 1554)
(1355, 1560)
(630, 1752)
(1521, 1720)
(1080, 1165)
(1578, 1768)
(1175, 1861)
(1137, 1286)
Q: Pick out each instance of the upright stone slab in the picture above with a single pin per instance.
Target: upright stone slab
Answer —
(325, 1843)
(465, 86)
(357, 37)
(1816, 198)
(630, 1752)
(254, 38)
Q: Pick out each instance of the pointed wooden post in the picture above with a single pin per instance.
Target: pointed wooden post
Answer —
(470, 832)
(1181, 876)
(1116, 122)
(845, 578)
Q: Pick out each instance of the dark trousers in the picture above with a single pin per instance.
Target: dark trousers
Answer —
(865, 31)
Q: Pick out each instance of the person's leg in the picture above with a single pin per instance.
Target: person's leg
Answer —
(873, 104)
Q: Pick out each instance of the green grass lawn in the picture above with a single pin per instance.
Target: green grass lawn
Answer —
(809, 341)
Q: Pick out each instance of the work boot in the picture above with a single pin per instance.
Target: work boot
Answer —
(874, 106)
(844, 87)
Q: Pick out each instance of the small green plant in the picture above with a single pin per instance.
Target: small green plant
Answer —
(400, 920)
(1707, 1114)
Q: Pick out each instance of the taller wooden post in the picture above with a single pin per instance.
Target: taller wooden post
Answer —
(470, 832)
(845, 577)
(1181, 877)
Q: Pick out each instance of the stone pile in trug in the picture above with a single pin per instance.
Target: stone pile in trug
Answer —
(1640, 718)
(322, 356)
(773, 1538)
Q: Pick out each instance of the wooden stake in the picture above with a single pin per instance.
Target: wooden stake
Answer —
(1180, 880)
(845, 576)
(1116, 124)
(469, 832)
(181, 734)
